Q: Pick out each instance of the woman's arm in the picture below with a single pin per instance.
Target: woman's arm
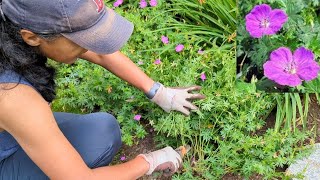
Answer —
(37, 132)
(130, 170)
(123, 67)
(167, 98)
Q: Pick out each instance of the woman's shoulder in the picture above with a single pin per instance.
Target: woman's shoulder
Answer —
(15, 93)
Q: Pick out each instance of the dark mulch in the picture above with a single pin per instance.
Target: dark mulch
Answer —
(145, 145)
(314, 117)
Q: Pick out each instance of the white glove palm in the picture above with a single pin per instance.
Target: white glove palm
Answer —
(177, 98)
(163, 159)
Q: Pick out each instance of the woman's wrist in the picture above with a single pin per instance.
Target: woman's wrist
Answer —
(144, 163)
(147, 85)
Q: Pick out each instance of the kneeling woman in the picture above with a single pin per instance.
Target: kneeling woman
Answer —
(36, 143)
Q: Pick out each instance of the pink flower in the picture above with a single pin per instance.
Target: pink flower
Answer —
(157, 61)
(263, 20)
(140, 62)
(153, 3)
(179, 48)
(165, 39)
(137, 117)
(290, 69)
(117, 3)
(203, 76)
(123, 158)
(143, 3)
(200, 51)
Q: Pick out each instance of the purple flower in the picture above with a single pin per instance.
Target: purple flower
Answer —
(287, 69)
(137, 117)
(179, 48)
(200, 51)
(203, 76)
(143, 3)
(123, 158)
(117, 3)
(157, 61)
(262, 20)
(165, 39)
(153, 3)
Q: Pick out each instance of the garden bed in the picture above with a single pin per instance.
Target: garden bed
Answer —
(314, 122)
(148, 144)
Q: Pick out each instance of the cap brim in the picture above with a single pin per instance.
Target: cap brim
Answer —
(105, 37)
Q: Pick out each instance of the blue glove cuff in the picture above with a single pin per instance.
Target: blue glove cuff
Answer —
(152, 92)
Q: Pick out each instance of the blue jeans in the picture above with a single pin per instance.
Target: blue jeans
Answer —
(95, 136)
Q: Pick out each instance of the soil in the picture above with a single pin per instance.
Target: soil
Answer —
(145, 145)
(148, 144)
(314, 117)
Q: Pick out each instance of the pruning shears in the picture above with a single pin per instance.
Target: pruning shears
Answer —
(182, 151)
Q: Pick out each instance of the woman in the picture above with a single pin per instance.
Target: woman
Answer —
(36, 143)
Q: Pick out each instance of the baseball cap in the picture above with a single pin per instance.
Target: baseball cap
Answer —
(88, 23)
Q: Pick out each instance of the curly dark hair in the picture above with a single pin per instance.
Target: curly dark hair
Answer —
(18, 56)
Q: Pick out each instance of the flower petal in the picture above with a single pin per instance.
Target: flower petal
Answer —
(277, 19)
(307, 68)
(282, 55)
(253, 27)
(272, 70)
(143, 4)
(165, 39)
(179, 48)
(137, 117)
(303, 55)
(289, 80)
(261, 11)
(309, 72)
(153, 3)
(203, 76)
(256, 33)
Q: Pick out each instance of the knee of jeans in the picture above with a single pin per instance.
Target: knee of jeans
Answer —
(106, 125)
(109, 124)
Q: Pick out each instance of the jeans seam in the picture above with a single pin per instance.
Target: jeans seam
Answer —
(96, 162)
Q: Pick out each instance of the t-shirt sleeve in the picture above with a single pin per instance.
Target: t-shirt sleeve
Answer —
(13, 77)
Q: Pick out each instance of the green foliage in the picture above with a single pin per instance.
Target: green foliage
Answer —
(209, 20)
(287, 110)
(301, 29)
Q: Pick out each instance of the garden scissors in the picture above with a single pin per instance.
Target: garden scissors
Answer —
(182, 151)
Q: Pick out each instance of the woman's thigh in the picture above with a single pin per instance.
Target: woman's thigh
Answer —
(95, 136)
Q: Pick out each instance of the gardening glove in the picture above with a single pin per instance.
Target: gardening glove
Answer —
(163, 159)
(177, 98)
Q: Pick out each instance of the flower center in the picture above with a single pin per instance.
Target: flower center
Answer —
(291, 68)
(265, 23)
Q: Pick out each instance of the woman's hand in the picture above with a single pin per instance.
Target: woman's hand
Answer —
(177, 98)
(166, 160)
